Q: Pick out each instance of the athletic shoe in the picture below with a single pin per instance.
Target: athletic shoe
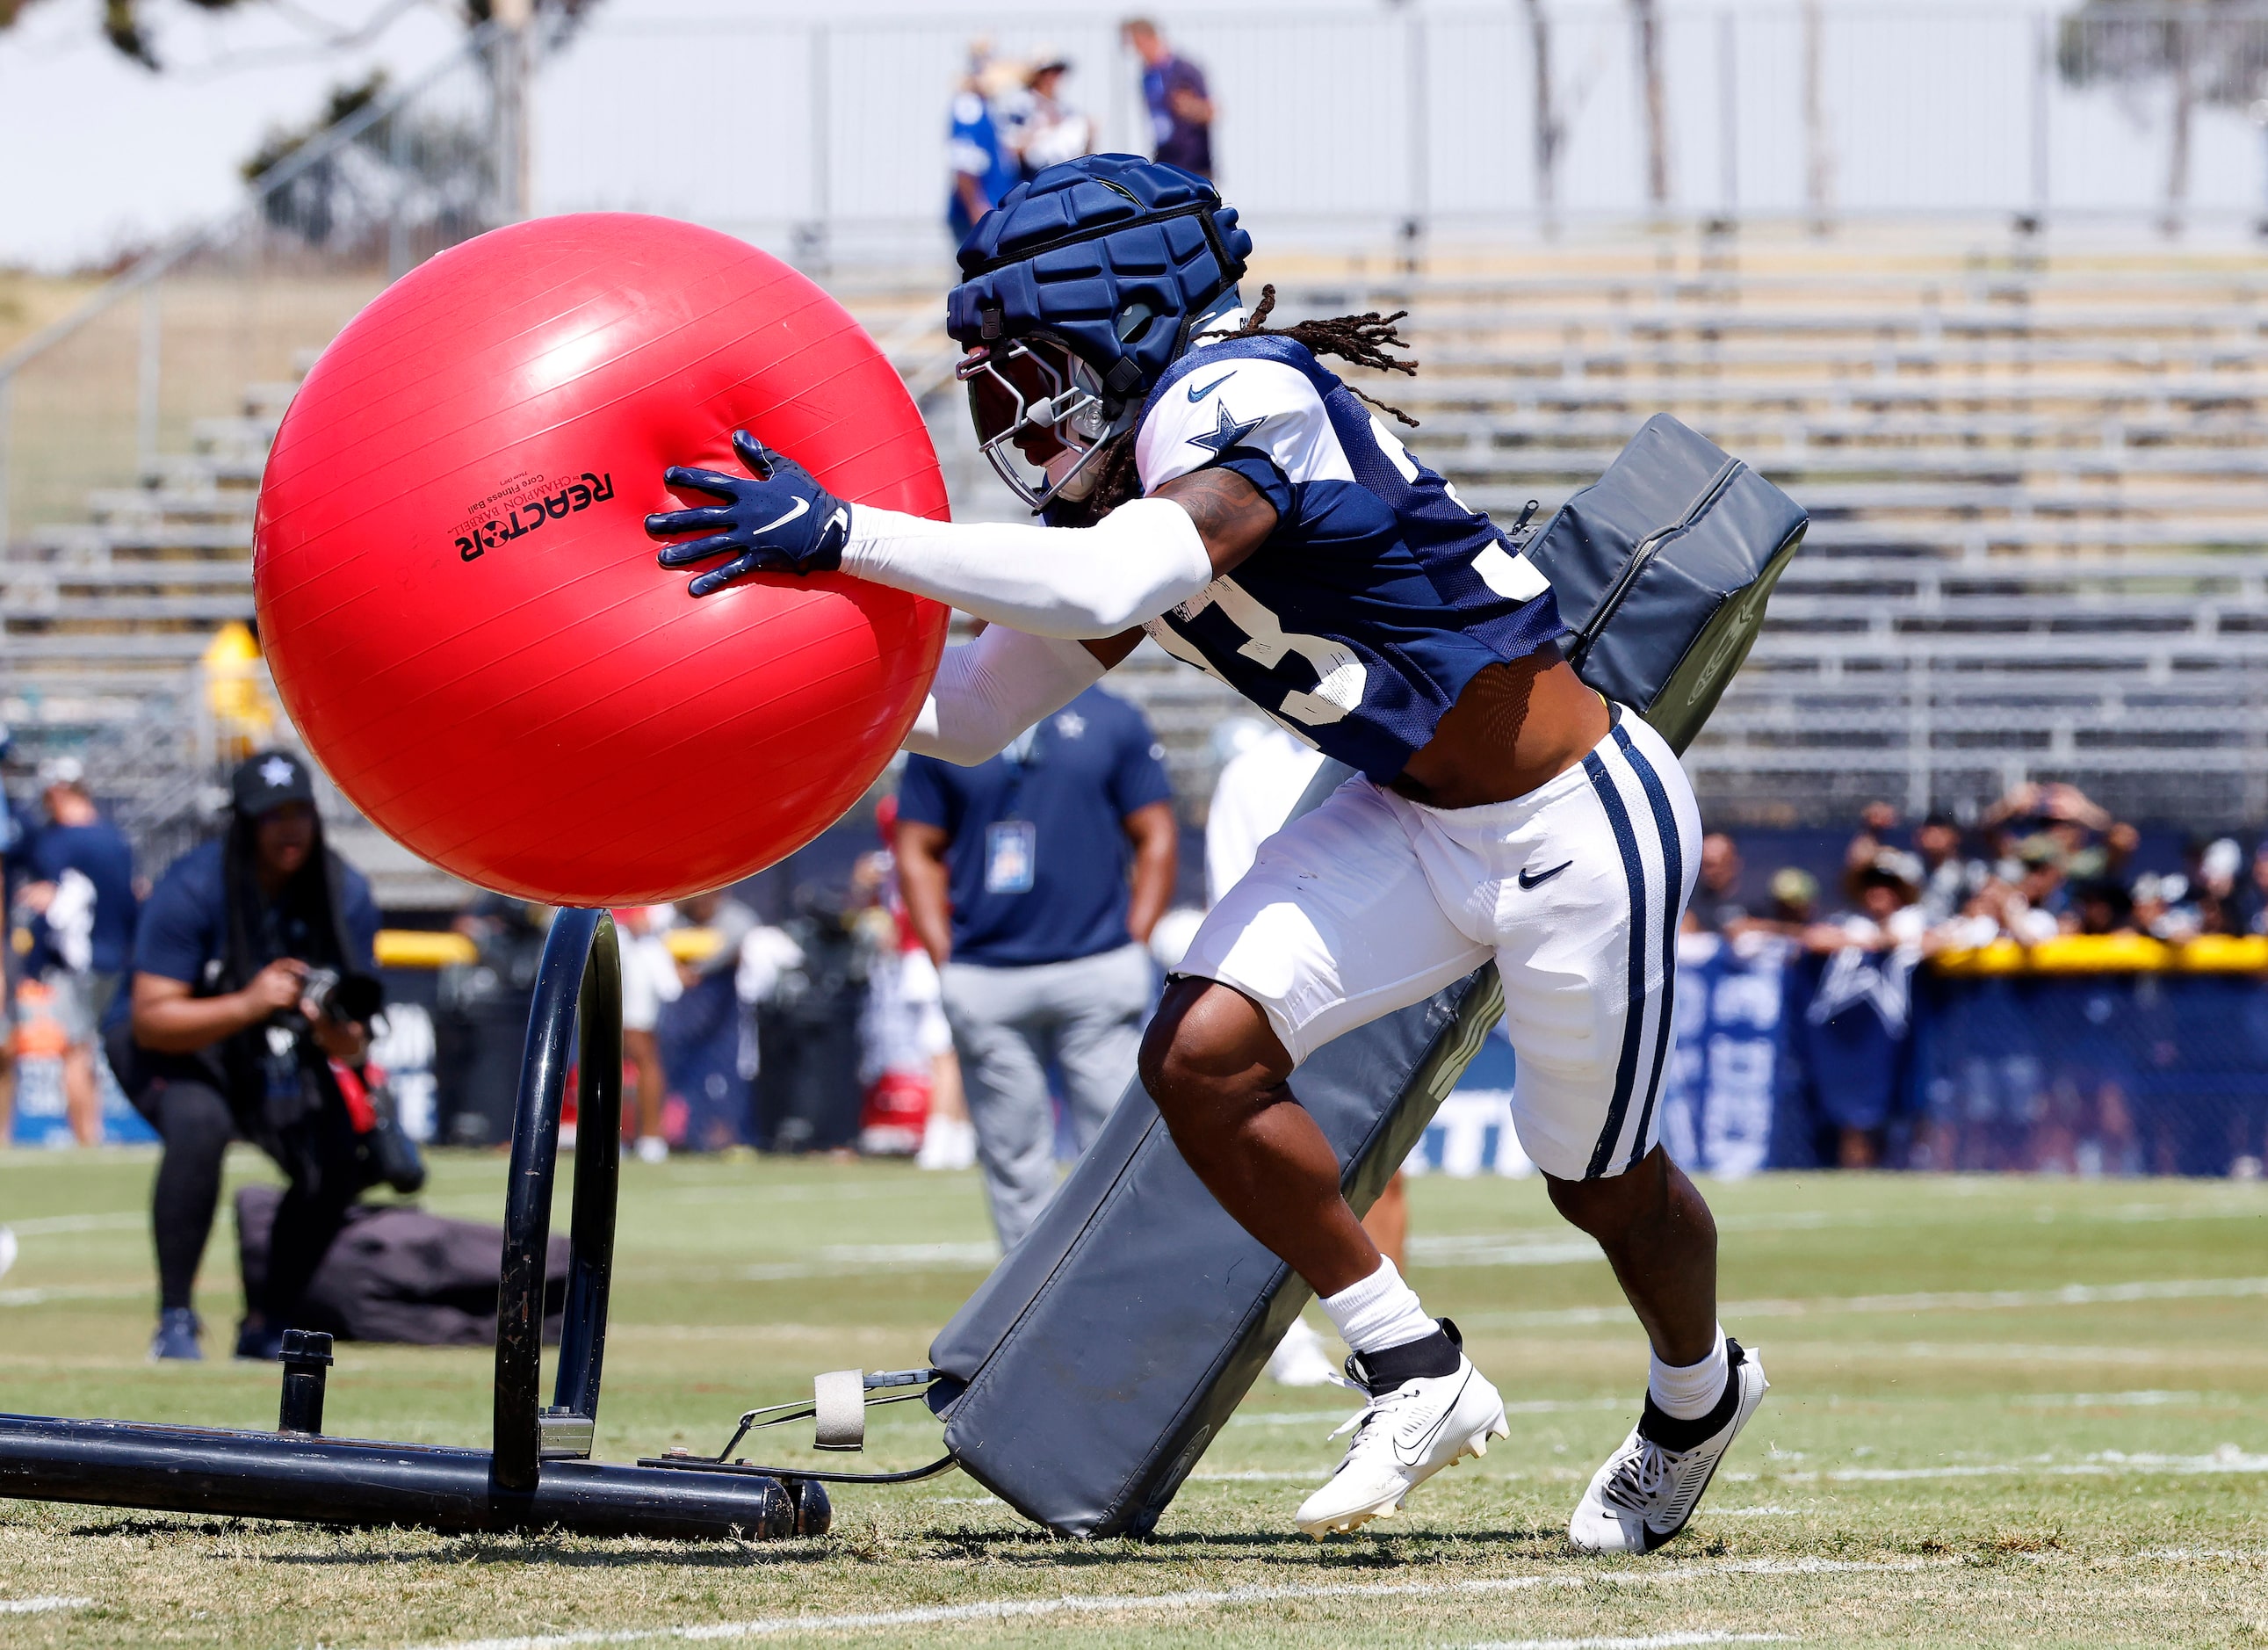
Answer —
(651, 1148)
(947, 1143)
(259, 1345)
(1300, 1360)
(7, 1249)
(1406, 1433)
(176, 1339)
(1648, 1489)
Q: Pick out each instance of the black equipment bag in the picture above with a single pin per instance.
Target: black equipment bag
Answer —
(1662, 567)
(1088, 1373)
(396, 1273)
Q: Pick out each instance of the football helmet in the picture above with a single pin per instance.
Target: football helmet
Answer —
(1078, 291)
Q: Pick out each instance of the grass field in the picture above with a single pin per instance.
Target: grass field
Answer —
(2003, 1412)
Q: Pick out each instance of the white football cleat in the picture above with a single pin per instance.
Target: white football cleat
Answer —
(1645, 1493)
(1300, 1360)
(1402, 1437)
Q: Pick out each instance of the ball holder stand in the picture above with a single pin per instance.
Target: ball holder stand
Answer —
(538, 1475)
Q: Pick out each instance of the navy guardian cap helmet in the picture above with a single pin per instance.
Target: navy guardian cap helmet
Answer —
(1078, 291)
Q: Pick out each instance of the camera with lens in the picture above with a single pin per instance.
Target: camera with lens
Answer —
(344, 999)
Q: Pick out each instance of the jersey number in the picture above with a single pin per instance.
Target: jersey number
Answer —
(1340, 676)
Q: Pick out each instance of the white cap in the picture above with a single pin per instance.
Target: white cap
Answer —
(61, 770)
(2221, 860)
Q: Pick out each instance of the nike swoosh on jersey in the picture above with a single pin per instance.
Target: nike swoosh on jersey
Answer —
(1197, 393)
(1527, 881)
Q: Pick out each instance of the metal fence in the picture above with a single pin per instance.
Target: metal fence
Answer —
(828, 138)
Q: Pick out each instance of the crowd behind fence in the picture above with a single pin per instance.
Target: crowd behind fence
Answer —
(2046, 990)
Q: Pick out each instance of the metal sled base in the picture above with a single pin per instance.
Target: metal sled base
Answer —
(539, 1475)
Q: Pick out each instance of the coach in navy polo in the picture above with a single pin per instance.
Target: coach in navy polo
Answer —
(1033, 880)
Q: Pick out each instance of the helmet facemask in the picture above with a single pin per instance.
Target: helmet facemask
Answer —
(1042, 417)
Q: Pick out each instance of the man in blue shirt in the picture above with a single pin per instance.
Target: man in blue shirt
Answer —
(1181, 107)
(983, 166)
(78, 893)
(1014, 873)
(227, 1037)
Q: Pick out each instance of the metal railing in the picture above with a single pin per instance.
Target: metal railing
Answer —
(1339, 125)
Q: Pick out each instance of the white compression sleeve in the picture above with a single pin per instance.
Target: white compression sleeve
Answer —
(989, 690)
(1143, 558)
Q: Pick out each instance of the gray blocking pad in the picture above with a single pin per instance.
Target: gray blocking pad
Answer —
(1085, 1376)
(1662, 568)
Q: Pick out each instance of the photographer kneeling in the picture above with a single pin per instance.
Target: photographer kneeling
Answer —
(254, 984)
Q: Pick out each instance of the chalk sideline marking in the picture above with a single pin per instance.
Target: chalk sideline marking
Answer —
(1939, 1301)
(41, 1606)
(1658, 1641)
(1105, 1603)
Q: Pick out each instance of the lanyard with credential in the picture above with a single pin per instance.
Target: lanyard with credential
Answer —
(1011, 844)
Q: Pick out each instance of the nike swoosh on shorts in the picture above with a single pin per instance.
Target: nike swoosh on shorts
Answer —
(1197, 394)
(1527, 881)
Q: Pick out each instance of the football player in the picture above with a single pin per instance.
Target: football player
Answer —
(1204, 480)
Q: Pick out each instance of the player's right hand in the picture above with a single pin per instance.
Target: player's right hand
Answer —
(777, 518)
(275, 988)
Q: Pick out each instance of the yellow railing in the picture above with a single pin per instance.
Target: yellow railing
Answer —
(2112, 953)
(420, 948)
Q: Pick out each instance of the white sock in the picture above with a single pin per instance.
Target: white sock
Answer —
(1379, 1312)
(1689, 1393)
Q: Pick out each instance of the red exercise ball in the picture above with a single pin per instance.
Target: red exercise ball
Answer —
(463, 609)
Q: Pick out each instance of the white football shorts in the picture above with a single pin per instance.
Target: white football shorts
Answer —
(1371, 903)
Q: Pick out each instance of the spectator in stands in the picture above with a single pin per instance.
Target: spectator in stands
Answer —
(78, 905)
(2102, 906)
(1794, 894)
(983, 166)
(254, 972)
(1948, 880)
(1858, 1023)
(1715, 907)
(1047, 130)
(2213, 894)
(2257, 902)
(1181, 107)
(1014, 873)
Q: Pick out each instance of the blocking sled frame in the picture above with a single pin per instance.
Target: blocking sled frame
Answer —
(537, 1474)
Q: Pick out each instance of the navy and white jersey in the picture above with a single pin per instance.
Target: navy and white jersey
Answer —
(1377, 596)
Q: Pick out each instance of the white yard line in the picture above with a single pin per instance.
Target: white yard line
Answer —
(1936, 1301)
(47, 1225)
(1524, 1406)
(41, 1606)
(1108, 1603)
(1659, 1642)
(88, 1291)
(2109, 1464)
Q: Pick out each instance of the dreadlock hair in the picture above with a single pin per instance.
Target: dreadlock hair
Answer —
(1363, 340)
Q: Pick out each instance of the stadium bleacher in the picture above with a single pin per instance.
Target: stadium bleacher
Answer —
(2035, 475)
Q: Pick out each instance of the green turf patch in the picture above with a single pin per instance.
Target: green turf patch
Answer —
(2002, 1410)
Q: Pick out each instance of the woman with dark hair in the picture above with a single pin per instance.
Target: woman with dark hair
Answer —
(254, 975)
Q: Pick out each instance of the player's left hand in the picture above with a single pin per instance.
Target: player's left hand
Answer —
(780, 520)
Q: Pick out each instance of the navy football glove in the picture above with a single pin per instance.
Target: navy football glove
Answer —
(782, 521)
